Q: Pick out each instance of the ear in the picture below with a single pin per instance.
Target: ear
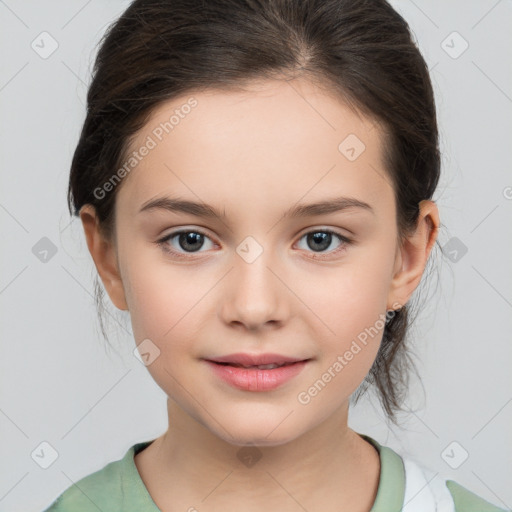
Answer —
(104, 255)
(412, 256)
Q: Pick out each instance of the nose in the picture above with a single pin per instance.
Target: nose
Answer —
(254, 295)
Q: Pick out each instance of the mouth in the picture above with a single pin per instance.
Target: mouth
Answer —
(270, 366)
(261, 377)
(263, 361)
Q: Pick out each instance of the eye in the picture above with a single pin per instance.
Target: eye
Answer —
(190, 241)
(182, 242)
(320, 240)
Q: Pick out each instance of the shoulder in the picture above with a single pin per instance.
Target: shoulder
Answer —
(115, 487)
(421, 487)
(467, 501)
(97, 491)
(429, 486)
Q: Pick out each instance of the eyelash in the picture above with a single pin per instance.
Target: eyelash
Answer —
(163, 242)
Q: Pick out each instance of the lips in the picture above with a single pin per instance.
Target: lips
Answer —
(261, 361)
(256, 378)
(270, 366)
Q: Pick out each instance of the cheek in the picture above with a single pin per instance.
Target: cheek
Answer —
(350, 297)
(166, 308)
(347, 314)
(165, 301)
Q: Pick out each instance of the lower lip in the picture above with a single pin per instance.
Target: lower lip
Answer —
(252, 379)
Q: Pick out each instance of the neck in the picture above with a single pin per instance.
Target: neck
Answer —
(328, 468)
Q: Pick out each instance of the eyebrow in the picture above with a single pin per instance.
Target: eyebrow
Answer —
(336, 204)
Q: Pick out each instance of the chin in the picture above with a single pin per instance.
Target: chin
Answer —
(259, 435)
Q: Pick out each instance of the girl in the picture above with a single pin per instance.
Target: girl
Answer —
(255, 183)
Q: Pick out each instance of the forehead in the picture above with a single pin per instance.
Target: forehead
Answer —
(274, 143)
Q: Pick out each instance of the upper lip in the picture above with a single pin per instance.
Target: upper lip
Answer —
(255, 359)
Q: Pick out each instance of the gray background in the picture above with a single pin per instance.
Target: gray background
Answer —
(61, 386)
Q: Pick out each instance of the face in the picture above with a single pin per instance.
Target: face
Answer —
(266, 275)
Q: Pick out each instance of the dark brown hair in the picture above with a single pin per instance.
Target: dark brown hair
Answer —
(360, 49)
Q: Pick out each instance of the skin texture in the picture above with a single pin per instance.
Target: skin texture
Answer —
(253, 155)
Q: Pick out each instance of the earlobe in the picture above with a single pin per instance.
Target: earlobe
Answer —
(413, 255)
(104, 257)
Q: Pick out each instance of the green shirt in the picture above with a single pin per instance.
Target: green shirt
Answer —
(118, 487)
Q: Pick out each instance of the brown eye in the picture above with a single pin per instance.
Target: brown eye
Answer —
(183, 242)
